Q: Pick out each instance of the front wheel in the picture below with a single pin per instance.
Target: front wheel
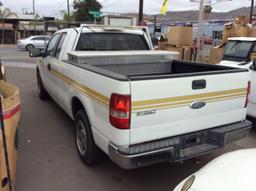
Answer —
(88, 151)
(29, 46)
(41, 91)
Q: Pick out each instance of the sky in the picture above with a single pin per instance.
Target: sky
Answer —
(53, 7)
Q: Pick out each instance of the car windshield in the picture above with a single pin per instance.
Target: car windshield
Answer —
(111, 41)
(237, 50)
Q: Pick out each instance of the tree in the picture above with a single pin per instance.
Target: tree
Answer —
(35, 22)
(4, 14)
(68, 18)
(82, 8)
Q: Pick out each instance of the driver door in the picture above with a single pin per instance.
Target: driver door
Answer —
(50, 63)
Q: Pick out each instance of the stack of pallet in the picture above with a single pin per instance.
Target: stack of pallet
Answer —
(179, 39)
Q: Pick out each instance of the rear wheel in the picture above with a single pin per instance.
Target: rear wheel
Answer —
(29, 46)
(88, 151)
(41, 91)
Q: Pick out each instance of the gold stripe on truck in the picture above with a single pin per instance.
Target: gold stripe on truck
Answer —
(164, 103)
(181, 101)
(83, 89)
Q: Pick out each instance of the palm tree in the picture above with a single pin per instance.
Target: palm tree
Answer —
(4, 14)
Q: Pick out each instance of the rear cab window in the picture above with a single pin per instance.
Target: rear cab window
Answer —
(111, 41)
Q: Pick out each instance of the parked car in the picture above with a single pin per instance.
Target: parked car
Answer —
(138, 105)
(233, 171)
(33, 42)
(240, 52)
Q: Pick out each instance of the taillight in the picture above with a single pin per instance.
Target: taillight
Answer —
(247, 94)
(119, 111)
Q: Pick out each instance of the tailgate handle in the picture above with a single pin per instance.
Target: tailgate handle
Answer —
(198, 84)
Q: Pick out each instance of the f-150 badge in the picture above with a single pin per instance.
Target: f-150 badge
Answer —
(197, 105)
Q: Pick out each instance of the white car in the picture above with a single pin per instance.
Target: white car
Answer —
(33, 42)
(234, 171)
(238, 54)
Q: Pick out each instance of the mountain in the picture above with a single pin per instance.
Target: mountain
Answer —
(193, 15)
(175, 16)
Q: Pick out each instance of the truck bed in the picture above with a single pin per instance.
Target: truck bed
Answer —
(136, 65)
(162, 68)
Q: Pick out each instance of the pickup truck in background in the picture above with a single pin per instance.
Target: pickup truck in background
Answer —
(137, 105)
(240, 52)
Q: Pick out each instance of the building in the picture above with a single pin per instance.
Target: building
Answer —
(211, 28)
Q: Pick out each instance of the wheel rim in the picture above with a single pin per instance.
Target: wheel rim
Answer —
(30, 47)
(81, 139)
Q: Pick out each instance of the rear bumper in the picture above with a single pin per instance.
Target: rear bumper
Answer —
(21, 46)
(178, 148)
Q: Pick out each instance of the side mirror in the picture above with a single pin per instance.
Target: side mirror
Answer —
(35, 52)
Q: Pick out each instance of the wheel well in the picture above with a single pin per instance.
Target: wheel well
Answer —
(76, 106)
(29, 44)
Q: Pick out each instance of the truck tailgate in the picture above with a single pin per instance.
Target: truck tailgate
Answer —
(172, 106)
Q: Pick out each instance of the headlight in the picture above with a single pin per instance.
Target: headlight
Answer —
(188, 183)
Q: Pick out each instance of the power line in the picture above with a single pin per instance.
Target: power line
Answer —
(111, 4)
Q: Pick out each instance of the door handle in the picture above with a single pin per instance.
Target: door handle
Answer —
(49, 67)
(198, 84)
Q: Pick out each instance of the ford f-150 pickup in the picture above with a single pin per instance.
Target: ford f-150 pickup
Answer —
(137, 105)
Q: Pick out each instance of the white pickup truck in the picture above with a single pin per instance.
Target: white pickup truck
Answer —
(238, 53)
(138, 105)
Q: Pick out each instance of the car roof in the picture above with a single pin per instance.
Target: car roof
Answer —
(38, 36)
(243, 38)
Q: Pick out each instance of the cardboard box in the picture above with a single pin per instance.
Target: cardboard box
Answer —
(243, 32)
(161, 44)
(180, 36)
(241, 20)
(216, 55)
(184, 52)
(252, 32)
(229, 31)
(10, 105)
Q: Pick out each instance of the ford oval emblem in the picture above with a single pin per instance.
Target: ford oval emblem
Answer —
(197, 105)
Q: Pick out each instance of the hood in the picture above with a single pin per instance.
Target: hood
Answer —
(235, 64)
(232, 171)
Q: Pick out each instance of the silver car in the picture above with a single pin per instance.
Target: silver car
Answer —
(33, 42)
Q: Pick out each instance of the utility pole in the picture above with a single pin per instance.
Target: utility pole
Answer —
(251, 12)
(141, 11)
(68, 7)
(34, 12)
(200, 25)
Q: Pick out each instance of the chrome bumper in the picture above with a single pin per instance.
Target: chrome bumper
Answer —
(178, 148)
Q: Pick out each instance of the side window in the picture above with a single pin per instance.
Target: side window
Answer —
(63, 37)
(52, 45)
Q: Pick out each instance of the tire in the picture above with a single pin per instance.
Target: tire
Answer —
(41, 91)
(87, 150)
(29, 46)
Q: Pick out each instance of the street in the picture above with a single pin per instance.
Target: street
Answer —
(47, 156)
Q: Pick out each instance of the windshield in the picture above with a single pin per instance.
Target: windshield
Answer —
(237, 50)
(111, 41)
